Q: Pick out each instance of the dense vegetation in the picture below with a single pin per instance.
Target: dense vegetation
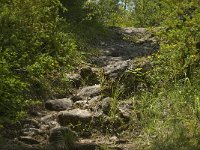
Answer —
(40, 41)
(34, 48)
(171, 109)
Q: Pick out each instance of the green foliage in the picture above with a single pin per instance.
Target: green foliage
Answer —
(178, 54)
(170, 116)
(110, 12)
(76, 11)
(39, 42)
(149, 13)
(170, 111)
(11, 91)
(35, 44)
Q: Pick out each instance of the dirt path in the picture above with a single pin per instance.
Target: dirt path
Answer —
(96, 116)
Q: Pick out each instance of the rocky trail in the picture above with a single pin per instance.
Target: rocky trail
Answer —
(99, 113)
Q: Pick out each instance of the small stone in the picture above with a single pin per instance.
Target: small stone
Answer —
(58, 104)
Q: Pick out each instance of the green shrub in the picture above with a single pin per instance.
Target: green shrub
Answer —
(169, 112)
(178, 54)
(35, 44)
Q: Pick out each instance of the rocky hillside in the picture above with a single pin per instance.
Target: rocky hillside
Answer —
(99, 113)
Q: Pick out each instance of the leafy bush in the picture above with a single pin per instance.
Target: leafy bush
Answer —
(35, 44)
(150, 13)
(179, 54)
(169, 113)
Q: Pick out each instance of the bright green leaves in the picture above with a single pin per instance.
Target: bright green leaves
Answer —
(178, 54)
(35, 44)
(44, 64)
(110, 12)
(12, 92)
(149, 13)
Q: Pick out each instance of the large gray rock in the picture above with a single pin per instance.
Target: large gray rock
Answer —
(89, 91)
(116, 68)
(58, 104)
(74, 116)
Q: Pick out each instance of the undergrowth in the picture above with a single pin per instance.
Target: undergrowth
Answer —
(170, 115)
